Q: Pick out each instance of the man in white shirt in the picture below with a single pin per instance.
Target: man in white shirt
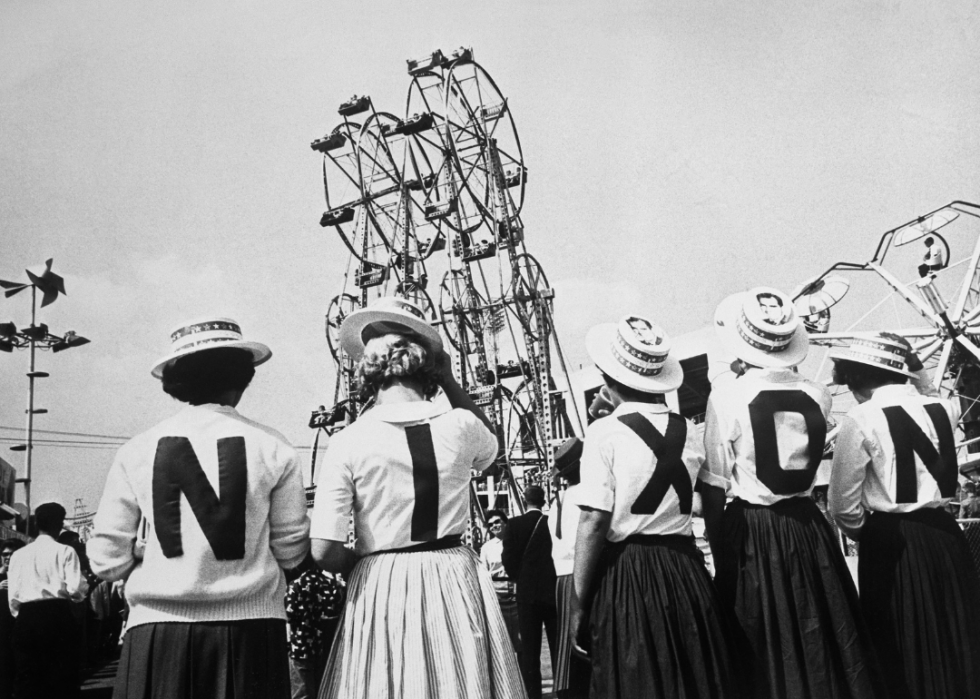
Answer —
(45, 577)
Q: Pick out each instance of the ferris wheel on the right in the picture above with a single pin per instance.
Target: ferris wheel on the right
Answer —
(922, 283)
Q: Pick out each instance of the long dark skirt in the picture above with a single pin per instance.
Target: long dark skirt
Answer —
(210, 660)
(657, 626)
(783, 575)
(921, 597)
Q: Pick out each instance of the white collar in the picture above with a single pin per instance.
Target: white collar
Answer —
(409, 411)
(632, 407)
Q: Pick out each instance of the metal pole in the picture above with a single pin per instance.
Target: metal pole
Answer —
(30, 411)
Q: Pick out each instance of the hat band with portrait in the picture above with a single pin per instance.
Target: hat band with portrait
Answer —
(640, 346)
(767, 321)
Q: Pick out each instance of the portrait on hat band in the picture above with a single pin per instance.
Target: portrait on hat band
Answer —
(644, 331)
(772, 308)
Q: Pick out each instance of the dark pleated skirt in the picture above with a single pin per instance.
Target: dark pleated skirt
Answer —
(657, 626)
(210, 660)
(572, 674)
(921, 597)
(785, 578)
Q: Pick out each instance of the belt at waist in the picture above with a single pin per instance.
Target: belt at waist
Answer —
(671, 540)
(446, 542)
(48, 601)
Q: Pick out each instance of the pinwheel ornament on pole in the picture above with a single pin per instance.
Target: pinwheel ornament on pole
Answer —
(35, 337)
(938, 313)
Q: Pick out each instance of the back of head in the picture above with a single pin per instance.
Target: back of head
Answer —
(395, 357)
(202, 377)
(534, 496)
(858, 376)
(49, 518)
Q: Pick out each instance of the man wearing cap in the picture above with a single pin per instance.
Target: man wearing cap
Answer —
(644, 608)
(527, 558)
(45, 577)
(894, 473)
(201, 515)
(776, 557)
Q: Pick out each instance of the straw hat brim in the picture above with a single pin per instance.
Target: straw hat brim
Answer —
(353, 328)
(260, 353)
(840, 354)
(726, 318)
(598, 343)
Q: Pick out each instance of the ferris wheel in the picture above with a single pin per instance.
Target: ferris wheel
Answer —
(936, 309)
(429, 207)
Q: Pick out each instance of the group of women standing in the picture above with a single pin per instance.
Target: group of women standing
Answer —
(781, 619)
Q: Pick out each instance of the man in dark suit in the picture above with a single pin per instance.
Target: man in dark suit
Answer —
(527, 559)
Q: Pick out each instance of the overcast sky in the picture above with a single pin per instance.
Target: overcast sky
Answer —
(677, 152)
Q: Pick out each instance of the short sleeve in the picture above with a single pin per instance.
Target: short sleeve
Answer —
(851, 460)
(334, 502)
(718, 450)
(597, 486)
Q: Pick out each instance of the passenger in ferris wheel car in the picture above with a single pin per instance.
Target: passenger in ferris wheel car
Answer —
(779, 567)
(204, 516)
(894, 471)
(422, 618)
(644, 607)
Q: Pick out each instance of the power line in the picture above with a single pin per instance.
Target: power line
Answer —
(69, 434)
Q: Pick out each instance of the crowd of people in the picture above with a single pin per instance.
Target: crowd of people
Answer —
(204, 518)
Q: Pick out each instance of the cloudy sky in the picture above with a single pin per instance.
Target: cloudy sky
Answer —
(677, 152)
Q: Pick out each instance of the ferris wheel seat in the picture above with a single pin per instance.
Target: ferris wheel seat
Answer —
(433, 245)
(423, 65)
(494, 111)
(416, 123)
(355, 105)
(472, 253)
(510, 234)
(512, 178)
(335, 217)
(512, 369)
(369, 275)
(460, 55)
(328, 142)
(439, 209)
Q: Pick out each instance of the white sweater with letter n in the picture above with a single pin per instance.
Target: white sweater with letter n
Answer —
(220, 502)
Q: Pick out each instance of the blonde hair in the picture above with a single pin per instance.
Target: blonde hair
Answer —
(394, 356)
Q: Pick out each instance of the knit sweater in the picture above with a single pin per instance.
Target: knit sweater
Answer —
(219, 501)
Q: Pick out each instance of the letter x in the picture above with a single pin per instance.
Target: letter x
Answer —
(669, 470)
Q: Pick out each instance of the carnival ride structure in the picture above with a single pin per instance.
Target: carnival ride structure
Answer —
(938, 313)
(428, 206)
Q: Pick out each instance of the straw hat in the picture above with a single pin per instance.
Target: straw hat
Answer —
(205, 334)
(390, 314)
(636, 353)
(761, 327)
(874, 350)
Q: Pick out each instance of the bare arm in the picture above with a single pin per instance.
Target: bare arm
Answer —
(457, 397)
(333, 556)
(593, 526)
